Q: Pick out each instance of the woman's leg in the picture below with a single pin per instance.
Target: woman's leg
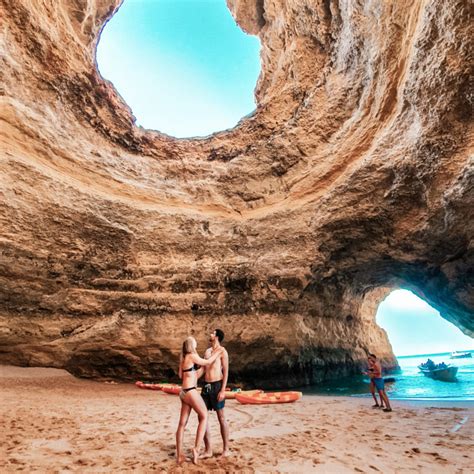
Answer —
(207, 441)
(183, 421)
(195, 400)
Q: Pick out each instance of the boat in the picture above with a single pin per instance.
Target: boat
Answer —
(442, 371)
(268, 398)
(460, 355)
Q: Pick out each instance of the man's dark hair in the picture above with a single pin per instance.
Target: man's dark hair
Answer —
(373, 356)
(220, 334)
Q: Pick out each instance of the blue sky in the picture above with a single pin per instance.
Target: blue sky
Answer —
(414, 327)
(183, 66)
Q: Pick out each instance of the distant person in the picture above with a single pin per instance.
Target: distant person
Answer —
(189, 365)
(213, 393)
(379, 381)
(370, 373)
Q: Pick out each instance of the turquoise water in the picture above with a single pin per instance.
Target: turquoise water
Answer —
(410, 383)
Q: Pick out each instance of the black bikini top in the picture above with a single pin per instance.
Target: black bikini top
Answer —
(192, 368)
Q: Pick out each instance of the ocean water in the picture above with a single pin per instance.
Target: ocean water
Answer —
(410, 383)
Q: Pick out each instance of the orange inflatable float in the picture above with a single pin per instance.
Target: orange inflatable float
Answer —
(230, 395)
(175, 389)
(268, 398)
(148, 386)
(154, 386)
(171, 389)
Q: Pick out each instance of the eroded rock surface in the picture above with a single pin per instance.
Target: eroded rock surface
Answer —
(354, 176)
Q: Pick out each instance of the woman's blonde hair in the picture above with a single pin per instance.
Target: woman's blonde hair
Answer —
(188, 345)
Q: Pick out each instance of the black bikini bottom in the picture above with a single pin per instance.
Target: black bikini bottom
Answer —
(184, 391)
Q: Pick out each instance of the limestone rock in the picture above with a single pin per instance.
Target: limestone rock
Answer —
(353, 177)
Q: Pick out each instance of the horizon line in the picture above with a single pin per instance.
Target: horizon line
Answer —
(434, 353)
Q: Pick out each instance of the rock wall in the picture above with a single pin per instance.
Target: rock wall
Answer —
(353, 177)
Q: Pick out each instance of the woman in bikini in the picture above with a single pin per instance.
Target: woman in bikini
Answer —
(189, 365)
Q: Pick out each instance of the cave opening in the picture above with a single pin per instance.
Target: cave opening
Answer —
(416, 328)
(185, 68)
(417, 332)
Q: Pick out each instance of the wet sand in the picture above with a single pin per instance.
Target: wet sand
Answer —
(53, 422)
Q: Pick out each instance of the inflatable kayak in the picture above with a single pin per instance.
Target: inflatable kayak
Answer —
(148, 386)
(175, 389)
(230, 395)
(270, 397)
(155, 386)
(172, 389)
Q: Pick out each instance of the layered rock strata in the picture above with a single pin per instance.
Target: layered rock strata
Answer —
(354, 176)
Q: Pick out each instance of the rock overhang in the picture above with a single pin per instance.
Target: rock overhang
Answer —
(353, 174)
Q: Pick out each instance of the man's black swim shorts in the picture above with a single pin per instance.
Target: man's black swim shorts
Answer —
(210, 393)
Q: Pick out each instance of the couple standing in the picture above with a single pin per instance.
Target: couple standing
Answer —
(215, 368)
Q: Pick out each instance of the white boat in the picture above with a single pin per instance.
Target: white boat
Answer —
(460, 355)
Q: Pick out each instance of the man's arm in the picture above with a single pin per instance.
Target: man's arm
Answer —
(225, 374)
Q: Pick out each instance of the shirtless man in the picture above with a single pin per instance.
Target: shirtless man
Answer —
(370, 373)
(213, 393)
(379, 383)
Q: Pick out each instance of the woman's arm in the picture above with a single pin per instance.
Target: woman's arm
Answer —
(180, 368)
(200, 373)
(201, 370)
(199, 360)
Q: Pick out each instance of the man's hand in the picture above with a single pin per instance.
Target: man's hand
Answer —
(221, 395)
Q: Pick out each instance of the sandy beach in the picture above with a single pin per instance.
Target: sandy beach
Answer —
(53, 422)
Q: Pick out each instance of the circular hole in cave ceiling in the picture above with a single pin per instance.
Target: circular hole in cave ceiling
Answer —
(184, 67)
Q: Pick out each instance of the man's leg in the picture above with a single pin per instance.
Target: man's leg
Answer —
(224, 432)
(384, 397)
(207, 434)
